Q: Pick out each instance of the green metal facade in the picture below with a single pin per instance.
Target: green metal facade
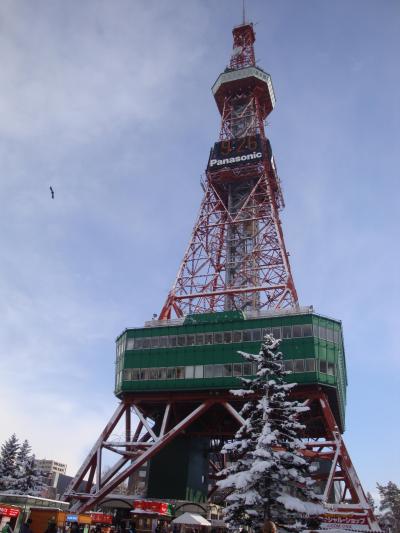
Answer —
(169, 357)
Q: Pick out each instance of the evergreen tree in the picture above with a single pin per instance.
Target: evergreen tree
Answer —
(28, 479)
(371, 502)
(268, 477)
(8, 467)
(390, 506)
(32, 481)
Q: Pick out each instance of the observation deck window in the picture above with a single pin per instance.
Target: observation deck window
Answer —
(287, 332)
(189, 340)
(288, 365)
(331, 369)
(208, 371)
(297, 331)
(276, 332)
(256, 335)
(299, 365)
(198, 371)
(130, 344)
(163, 342)
(266, 331)
(155, 342)
(146, 342)
(170, 372)
(227, 337)
(247, 369)
(181, 340)
(218, 338)
(199, 339)
(247, 335)
(227, 371)
(208, 338)
(307, 330)
(180, 372)
(329, 335)
(309, 365)
(218, 371)
(172, 341)
(322, 366)
(189, 372)
(237, 369)
(237, 336)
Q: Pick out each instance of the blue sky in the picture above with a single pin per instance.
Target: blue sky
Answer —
(110, 103)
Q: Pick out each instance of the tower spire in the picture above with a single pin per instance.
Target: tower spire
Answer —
(243, 12)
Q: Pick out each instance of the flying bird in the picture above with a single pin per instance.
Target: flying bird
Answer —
(52, 192)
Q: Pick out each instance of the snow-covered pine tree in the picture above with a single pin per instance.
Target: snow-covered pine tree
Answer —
(371, 501)
(268, 477)
(28, 478)
(32, 481)
(390, 506)
(8, 468)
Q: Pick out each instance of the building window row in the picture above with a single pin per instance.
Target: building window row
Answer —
(221, 370)
(228, 337)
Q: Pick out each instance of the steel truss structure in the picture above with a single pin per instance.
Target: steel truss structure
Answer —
(237, 258)
(216, 416)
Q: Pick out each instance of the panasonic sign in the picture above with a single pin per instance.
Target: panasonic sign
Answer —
(236, 152)
(234, 160)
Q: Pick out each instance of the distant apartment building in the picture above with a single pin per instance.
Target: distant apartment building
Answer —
(49, 466)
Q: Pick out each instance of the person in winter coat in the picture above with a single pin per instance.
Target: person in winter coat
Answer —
(7, 528)
(51, 528)
(26, 527)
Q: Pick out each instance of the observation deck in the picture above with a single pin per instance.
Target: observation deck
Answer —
(200, 353)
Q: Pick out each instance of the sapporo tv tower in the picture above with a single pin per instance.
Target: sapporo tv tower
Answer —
(233, 286)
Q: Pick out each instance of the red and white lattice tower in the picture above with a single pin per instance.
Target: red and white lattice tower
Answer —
(236, 258)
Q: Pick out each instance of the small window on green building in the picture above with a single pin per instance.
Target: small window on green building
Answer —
(276, 332)
(309, 365)
(247, 369)
(218, 371)
(180, 372)
(227, 371)
(199, 339)
(146, 342)
(247, 335)
(181, 340)
(256, 335)
(331, 368)
(130, 344)
(208, 338)
(198, 371)
(266, 331)
(297, 331)
(163, 342)
(155, 342)
(307, 330)
(227, 337)
(237, 369)
(288, 365)
(189, 340)
(171, 372)
(138, 344)
(237, 336)
(172, 341)
(322, 366)
(287, 332)
(189, 372)
(299, 365)
(135, 374)
(208, 371)
(218, 338)
(329, 335)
